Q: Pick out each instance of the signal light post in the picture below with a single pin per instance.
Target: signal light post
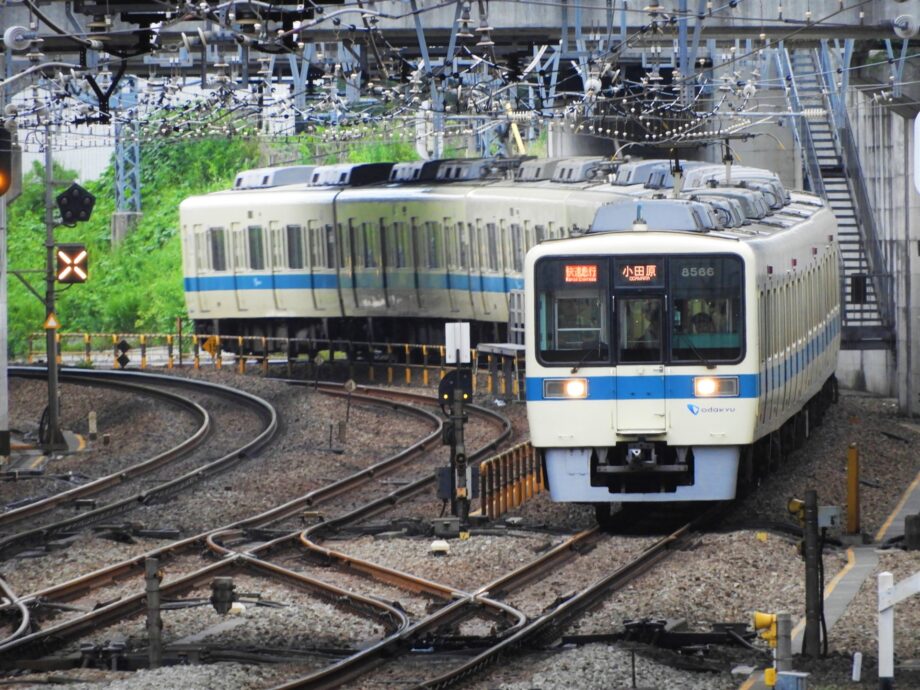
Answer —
(65, 263)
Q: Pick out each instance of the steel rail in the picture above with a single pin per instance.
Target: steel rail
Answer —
(46, 640)
(580, 602)
(25, 621)
(464, 606)
(130, 567)
(169, 488)
(98, 485)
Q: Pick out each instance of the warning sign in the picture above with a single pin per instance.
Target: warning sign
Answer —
(52, 322)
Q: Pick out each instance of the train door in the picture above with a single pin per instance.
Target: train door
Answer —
(346, 267)
(451, 264)
(242, 277)
(200, 264)
(639, 312)
(277, 261)
(318, 272)
(383, 239)
(417, 251)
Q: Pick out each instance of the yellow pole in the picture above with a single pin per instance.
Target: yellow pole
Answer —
(240, 357)
(169, 351)
(408, 370)
(114, 350)
(196, 352)
(853, 489)
(425, 365)
(143, 351)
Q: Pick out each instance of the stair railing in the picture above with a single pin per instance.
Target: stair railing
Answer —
(866, 222)
(800, 125)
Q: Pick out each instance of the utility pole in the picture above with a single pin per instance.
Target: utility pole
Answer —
(53, 439)
(4, 336)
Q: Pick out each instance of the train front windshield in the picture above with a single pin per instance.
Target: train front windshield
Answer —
(624, 310)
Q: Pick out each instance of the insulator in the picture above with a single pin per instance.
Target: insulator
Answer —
(814, 113)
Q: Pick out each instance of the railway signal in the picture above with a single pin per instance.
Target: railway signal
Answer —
(6, 160)
(72, 263)
(75, 204)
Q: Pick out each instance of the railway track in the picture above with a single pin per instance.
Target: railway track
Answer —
(519, 631)
(47, 640)
(144, 385)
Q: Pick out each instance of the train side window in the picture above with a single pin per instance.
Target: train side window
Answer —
(370, 241)
(256, 245)
(492, 246)
(433, 233)
(295, 253)
(200, 237)
(517, 248)
(217, 241)
(572, 307)
(399, 244)
(330, 246)
(463, 232)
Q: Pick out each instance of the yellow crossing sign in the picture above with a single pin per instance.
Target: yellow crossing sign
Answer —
(52, 322)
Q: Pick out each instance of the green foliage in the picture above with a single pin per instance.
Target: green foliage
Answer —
(137, 286)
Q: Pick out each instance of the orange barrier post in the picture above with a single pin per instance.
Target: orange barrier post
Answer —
(58, 354)
(196, 352)
(240, 356)
(484, 488)
(389, 364)
(853, 489)
(143, 351)
(87, 349)
(114, 351)
(169, 351)
(425, 365)
(264, 355)
(408, 367)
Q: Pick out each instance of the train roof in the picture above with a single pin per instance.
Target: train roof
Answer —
(262, 178)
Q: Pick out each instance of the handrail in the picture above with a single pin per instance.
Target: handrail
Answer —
(800, 126)
(856, 181)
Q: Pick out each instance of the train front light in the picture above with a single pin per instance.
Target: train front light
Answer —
(565, 388)
(715, 386)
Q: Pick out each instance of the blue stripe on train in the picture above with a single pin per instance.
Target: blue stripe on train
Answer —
(641, 387)
(326, 281)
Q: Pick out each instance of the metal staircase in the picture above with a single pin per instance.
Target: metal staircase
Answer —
(832, 170)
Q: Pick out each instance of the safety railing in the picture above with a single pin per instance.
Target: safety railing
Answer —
(403, 363)
(509, 479)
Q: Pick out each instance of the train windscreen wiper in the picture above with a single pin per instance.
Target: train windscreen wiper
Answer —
(709, 365)
(588, 352)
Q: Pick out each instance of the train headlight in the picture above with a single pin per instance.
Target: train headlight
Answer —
(565, 388)
(715, 386)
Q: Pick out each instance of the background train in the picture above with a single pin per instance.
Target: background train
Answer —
(383, 252)
(669, 361)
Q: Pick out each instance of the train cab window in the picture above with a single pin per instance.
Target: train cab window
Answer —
(707, 319)
(639, 330)
(218, 244)
(572, 310)
(295, 253)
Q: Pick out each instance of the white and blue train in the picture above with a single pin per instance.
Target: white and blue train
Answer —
(391, 252)
(671, 361)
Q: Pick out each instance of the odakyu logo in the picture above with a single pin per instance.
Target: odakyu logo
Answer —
(696, 410)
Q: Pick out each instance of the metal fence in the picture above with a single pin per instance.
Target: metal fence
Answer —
(403, 363)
